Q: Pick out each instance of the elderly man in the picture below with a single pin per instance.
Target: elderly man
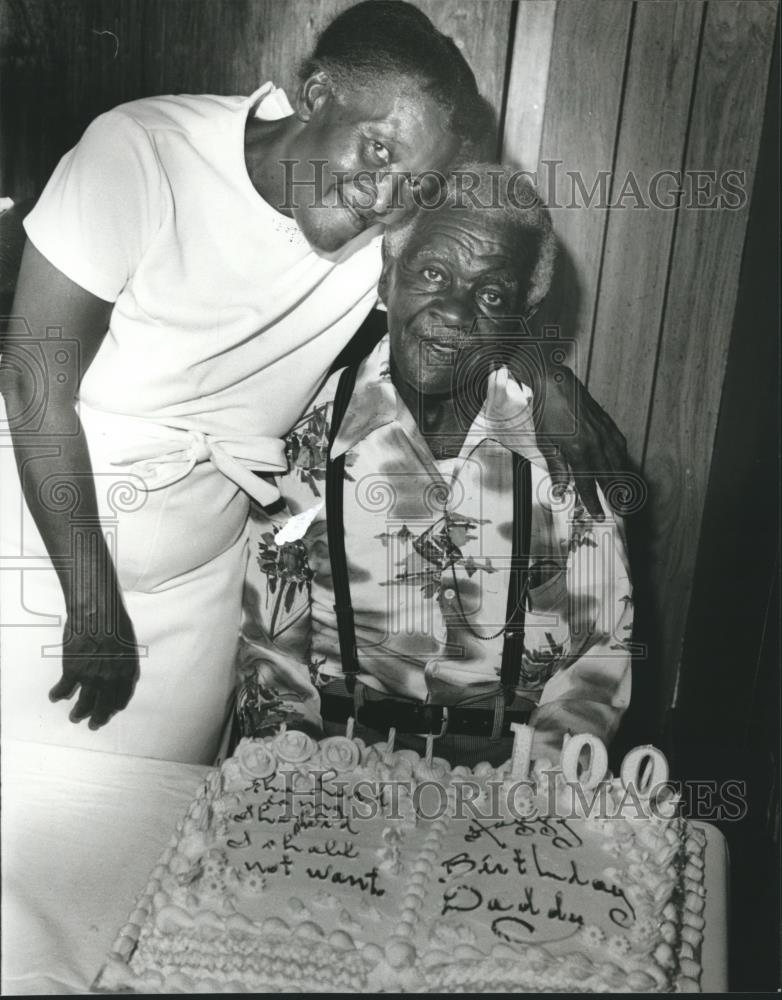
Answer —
(425, 574)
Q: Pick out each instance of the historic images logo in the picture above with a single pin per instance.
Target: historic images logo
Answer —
(558, 186)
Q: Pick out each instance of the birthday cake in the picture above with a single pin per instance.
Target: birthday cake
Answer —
(303, 866)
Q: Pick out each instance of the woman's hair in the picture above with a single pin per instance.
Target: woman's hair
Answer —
(496, 192)
(382, 38)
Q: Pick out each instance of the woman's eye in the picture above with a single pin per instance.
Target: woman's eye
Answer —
(432, 275)
(490, 297)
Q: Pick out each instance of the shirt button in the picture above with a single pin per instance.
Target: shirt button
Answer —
(449, 594)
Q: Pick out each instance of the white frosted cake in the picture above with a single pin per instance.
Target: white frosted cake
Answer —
(304, 866)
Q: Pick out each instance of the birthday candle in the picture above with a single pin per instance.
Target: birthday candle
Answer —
(429, 749)
(522, 750)
(349, 728)
(390, 743)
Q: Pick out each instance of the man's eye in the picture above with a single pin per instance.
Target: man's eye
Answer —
(490, 297)
(432, 275)
(380, 152)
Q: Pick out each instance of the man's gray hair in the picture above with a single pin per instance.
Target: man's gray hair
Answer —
(501, 193)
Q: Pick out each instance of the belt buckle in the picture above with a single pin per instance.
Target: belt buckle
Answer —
(443, 723)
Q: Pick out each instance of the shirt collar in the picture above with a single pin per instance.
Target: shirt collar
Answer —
(271, 103)
(505, 417)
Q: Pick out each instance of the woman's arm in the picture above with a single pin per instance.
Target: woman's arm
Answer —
(99, 646)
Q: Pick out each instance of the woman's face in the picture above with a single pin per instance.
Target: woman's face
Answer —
(350, 159)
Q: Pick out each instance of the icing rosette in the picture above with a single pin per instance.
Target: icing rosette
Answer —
(257, 759)
(233, 778)
(339, 754)
(199, 816)
(519, 800)
(401, 767)
(385, 749)
(438, 771)
(371, 758)
(252, 882)
(453, 934)
(294, 747)
(619, 945)
(592, 935)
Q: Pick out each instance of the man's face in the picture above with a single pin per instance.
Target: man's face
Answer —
(368, 139)
(459, 267)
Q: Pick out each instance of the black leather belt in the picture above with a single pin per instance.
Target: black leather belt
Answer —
(418, 717)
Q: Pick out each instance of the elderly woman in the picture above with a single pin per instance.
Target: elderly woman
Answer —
(442, 586)
(204, 260)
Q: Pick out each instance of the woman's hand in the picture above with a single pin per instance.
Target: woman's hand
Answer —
(579, 439)
(100, 657)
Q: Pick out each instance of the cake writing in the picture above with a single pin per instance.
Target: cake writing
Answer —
(327, 813)
(335, 849)
(287, 843)
(285, 864)
(529, 911)
(467, 898)
(561, 833)
(366, 882)
(297, 821)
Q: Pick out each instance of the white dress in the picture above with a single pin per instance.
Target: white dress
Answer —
(224, 327)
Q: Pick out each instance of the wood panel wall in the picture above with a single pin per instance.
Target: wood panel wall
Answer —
(646, 295)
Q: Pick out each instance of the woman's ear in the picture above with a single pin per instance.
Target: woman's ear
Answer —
(385, 275)
(314, 92)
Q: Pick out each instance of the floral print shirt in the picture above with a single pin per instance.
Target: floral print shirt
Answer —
(428, 547)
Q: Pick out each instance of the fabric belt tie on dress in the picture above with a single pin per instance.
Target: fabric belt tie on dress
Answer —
(167, 455)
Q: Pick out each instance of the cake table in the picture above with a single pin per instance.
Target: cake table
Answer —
(81, 831)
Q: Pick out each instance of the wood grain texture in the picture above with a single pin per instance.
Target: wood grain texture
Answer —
(481, 29)
(633, 284)
(638, 240)
(231, 46)
(528, 80)
(724, 135)
(58, 70)
(732, 546)
(579, 137)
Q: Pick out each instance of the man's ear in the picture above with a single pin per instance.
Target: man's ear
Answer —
(314, 92)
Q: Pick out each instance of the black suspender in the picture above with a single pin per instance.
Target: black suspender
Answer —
(517, 588)
(335, 528)
(513, 644)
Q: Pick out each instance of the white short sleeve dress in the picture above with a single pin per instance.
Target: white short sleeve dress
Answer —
(225, 324)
